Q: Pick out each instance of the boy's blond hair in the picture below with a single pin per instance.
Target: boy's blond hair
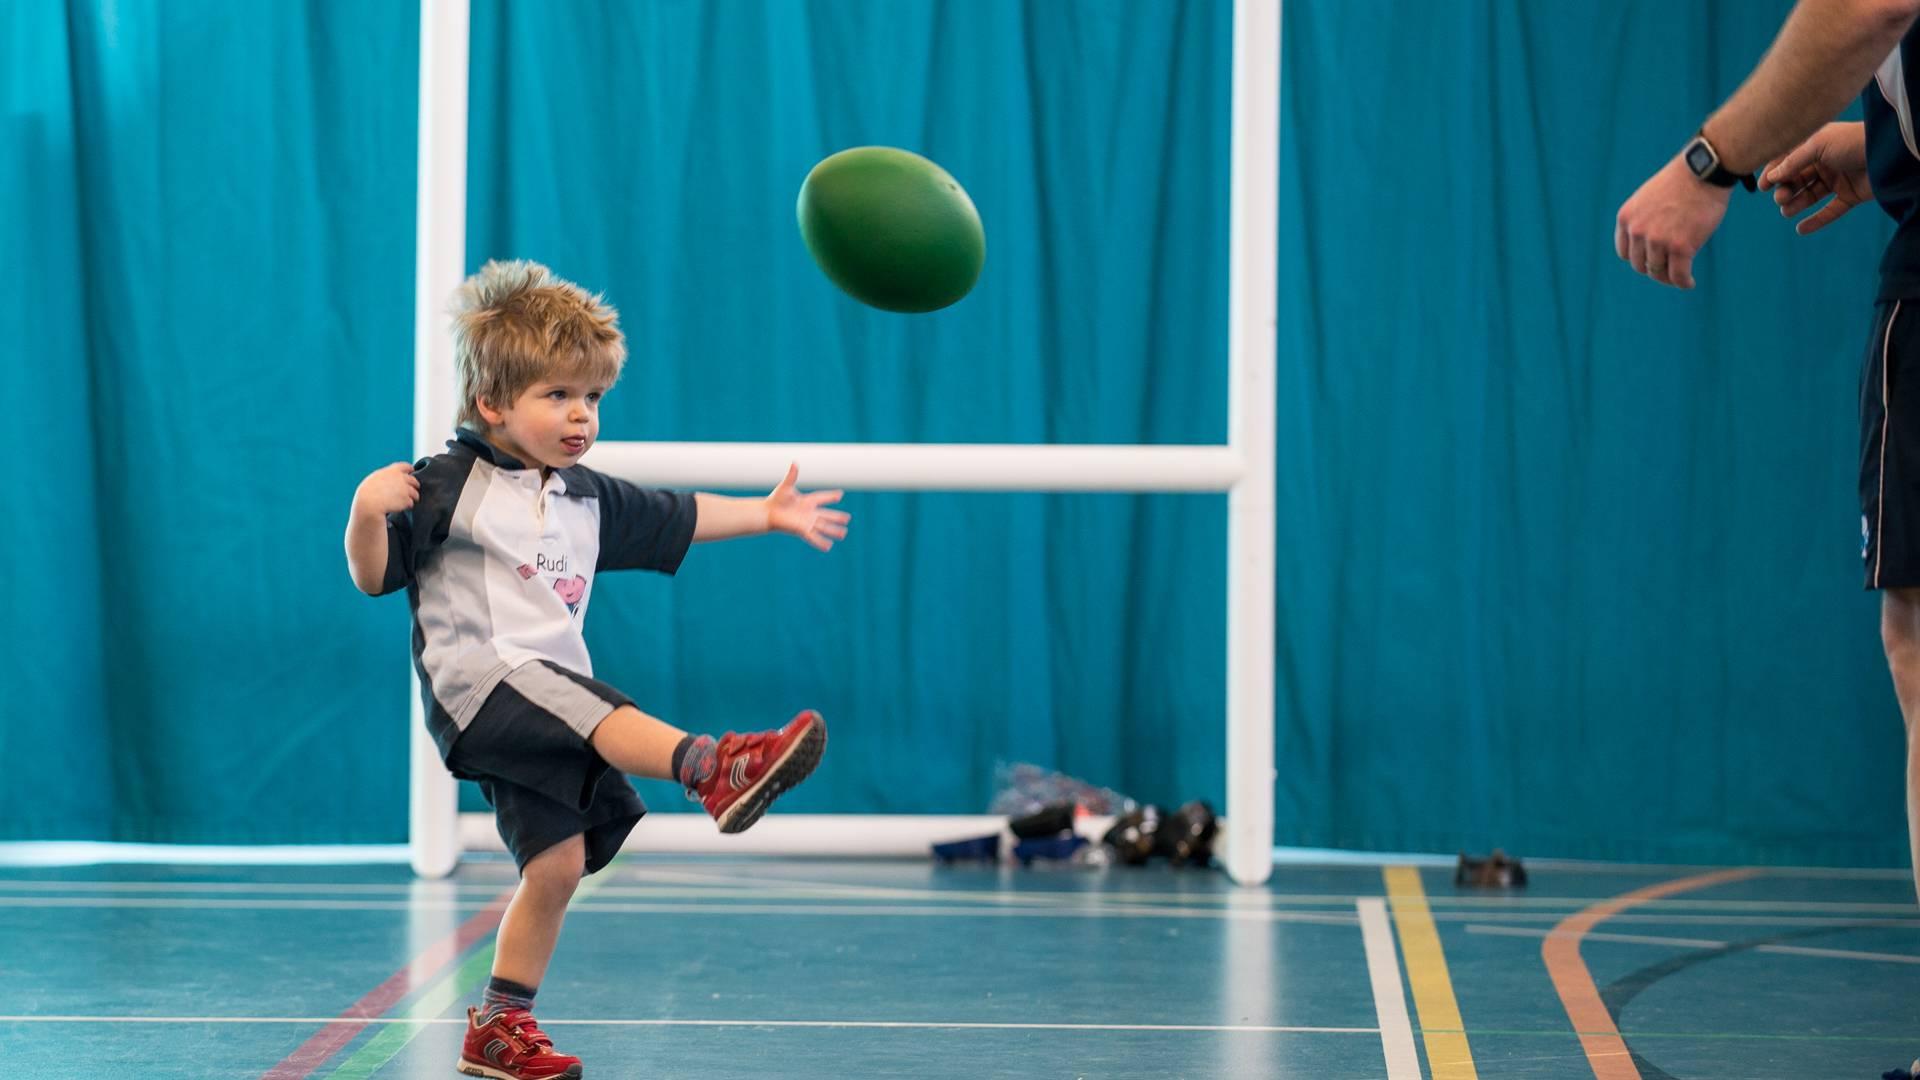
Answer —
(516, 324)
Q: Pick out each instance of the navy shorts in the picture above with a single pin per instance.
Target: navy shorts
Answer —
(528, 750)
(1890, 449)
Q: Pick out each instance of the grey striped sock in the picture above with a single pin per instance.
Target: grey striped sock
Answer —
(504, 994)
(694, 760)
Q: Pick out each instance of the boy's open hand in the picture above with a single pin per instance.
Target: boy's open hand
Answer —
(805, 514)
(387, 491)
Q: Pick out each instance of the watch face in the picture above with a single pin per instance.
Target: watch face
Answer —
(1699, 159)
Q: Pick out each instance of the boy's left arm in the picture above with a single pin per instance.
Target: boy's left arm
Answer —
(787, 510)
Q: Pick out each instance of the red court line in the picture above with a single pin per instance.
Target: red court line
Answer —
(328, 1040)
(1606, 1051)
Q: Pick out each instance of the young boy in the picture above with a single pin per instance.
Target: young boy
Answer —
(496, 542)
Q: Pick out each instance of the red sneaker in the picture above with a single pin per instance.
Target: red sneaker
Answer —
(511, 1046)
(750, 771)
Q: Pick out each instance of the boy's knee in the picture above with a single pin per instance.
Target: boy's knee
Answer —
(556, 872)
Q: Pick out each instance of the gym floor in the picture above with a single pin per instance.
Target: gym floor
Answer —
(712, 968)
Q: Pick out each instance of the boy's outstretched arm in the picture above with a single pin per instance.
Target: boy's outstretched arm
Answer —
(385, 491)
(785, 510)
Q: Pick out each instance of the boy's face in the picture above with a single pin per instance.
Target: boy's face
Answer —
(550, 424)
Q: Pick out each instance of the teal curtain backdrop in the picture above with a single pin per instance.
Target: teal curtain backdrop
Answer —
(1567, 563)
(206, 216)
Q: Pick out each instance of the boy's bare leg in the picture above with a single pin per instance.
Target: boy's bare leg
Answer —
(637, 744)
(1900, 633)
(531, 925)
(735, 777)
(634, 743)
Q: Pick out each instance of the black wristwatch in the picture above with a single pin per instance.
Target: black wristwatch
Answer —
(1704, 160)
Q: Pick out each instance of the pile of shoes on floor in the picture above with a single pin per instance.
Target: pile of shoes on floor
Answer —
(1183, 838)
(1052, 815)
(1139, 835)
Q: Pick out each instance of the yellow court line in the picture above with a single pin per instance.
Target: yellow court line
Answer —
(1448, 1057)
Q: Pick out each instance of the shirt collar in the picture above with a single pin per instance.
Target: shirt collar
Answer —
(486, 451)
(572, 478)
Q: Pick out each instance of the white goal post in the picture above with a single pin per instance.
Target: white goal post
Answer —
(1243, 468)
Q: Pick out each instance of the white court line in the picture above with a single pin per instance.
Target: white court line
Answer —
(1053, 898)
(1262, 1029)
(1236, 898)
(354, 889)
(1389, 1001)
(769, 885)
(47, 853)
(488, 890)
(1032, 897)
(1031, 911)
(1577, 866)
(1034, 911)
(784, 888)
(778, 882)
(592, 907)
(758, 887)
(1840, 954)
(1698, 943)
(1691, 920)
(42, 853)
(1094, 911)
(1626, 939)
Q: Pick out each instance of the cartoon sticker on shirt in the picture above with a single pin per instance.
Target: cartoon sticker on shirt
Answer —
(571, 588)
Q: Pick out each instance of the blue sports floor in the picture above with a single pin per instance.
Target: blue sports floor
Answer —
(719, 968)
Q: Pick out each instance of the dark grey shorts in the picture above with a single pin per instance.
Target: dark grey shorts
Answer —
(527, 748)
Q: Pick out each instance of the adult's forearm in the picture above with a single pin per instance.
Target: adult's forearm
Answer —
(1826, 51)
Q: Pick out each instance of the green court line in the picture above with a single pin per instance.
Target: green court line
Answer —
(380, 1049)
(457, 985)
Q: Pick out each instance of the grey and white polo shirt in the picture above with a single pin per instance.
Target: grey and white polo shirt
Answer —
(498, 566)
